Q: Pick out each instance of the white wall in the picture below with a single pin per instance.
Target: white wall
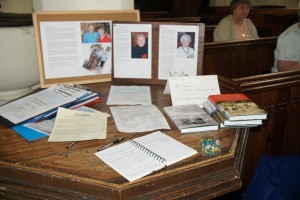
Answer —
(28, 6)
(83, 5)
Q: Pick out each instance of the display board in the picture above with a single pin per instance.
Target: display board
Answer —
(61, 47)
(161, 54)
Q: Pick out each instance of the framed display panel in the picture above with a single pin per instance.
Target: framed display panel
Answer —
(54, 26)
(161, 60)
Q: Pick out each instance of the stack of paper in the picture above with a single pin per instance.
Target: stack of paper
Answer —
(43, 105)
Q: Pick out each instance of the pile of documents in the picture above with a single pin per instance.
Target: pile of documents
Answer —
(24, 114)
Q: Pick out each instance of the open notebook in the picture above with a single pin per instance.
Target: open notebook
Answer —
(141, 156)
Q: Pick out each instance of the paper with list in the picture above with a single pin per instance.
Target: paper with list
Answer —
(74, 125)
(144, 155)
(192, 89)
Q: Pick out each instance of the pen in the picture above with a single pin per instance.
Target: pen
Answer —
(70, 145)
(113, 142)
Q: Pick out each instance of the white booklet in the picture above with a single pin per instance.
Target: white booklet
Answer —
(144, 155)
(191, 118)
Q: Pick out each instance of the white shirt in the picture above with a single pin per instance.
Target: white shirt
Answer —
(183, 52)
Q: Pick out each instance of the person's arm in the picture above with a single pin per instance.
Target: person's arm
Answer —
(223, 31)
(287, 52)
(84, 39)
(252, 29)
(286, 65)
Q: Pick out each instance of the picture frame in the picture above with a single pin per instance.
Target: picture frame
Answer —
(154, 41)
(46, 22)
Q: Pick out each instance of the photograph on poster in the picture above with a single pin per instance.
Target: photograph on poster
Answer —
(132, 50)
(139, 46)
(96, 48)
(72, 48)
(177, 51)
(99, 32)
(185, 45)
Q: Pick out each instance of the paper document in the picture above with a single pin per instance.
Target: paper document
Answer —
(40, 102)
(176, 58)
(192, 89)
(144, 155)
(132, 59)
(131, 119)
(129, 95)
(73, 125)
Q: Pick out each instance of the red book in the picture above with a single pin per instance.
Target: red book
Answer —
(237, 107)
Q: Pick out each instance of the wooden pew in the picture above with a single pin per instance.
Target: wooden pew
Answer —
(173, 19)
(15, 20)
(235, 59)
(209, 32)
(155, 14)
(260, 16)
(279, 94)
(280, 22)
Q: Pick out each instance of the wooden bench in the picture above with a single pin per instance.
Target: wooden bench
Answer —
(209, 32)
(235, 59)
(15, 20)
(279, 94)
(173, 19)
(260, 16)
(145, 15)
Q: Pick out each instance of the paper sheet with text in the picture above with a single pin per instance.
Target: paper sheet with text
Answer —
(192, 89)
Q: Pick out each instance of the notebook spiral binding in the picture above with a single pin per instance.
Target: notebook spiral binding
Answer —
(148, 151)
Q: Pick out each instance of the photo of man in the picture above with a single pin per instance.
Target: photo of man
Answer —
(139, 45)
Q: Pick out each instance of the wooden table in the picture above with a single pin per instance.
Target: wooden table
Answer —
(48, 170)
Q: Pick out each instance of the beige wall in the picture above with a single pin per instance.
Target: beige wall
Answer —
(83, 5)
(27, 6)
(16, 6)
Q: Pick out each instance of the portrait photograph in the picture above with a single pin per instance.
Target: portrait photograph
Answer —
(185, 45)
(139, 41)
(95, 32)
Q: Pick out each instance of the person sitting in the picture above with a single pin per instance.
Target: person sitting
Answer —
(236, 26)
(287, 52)
(103, 37)
(141, 48)
(185, 51)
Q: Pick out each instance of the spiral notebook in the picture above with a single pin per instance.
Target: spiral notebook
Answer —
(144, 155)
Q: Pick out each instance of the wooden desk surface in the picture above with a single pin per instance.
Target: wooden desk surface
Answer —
(47, 170)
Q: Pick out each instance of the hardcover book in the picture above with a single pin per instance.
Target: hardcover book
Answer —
(237, 107)
(191, 118)
(224, 122)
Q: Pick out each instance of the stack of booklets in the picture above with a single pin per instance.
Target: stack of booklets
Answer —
(44, 105)
(191, 118)
(234, 110)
